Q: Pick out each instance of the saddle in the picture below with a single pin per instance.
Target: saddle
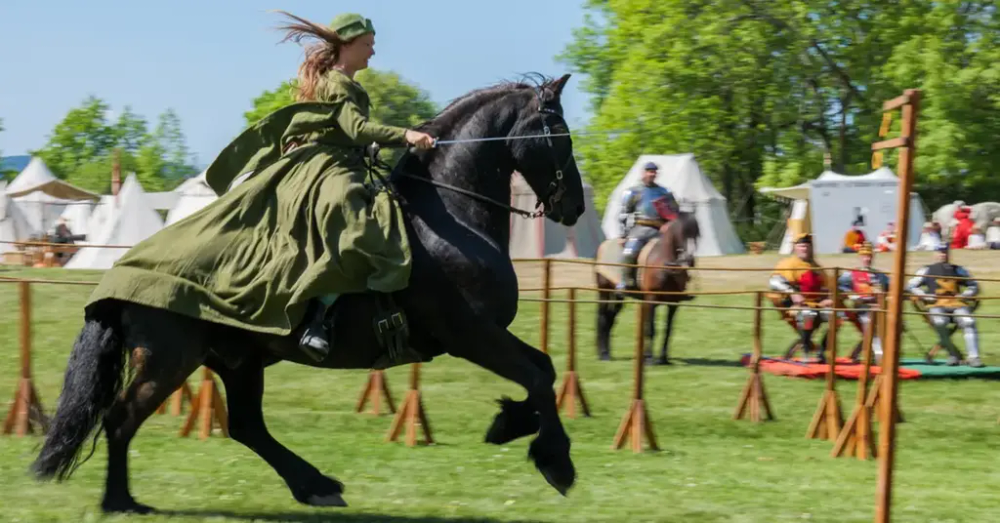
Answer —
(610, 251)
(392, 330)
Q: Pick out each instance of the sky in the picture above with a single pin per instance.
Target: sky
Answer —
(208, 59)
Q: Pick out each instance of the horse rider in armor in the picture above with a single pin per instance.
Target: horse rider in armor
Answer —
(651, 206)
(939, 284)
(862, 286)
(806, 291)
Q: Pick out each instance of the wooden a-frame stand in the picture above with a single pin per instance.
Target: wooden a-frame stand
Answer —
(26, 414)
(180, 396)
(856, 437)
(206, 408)
(571, 390)
(411, 413)
(375, 388)
(636, 422)
(828, 419)
(753, 400)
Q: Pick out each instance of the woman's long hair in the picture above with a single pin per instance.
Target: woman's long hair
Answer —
(320, 57)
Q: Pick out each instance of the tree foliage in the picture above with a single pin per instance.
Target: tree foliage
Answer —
(760, 90)
(81, 148)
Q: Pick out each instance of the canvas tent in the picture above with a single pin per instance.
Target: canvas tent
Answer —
(42, 197)
(694, 192)
(836, 200)
(125, 220)
(192, 196)
(14, 225)
(543, 238)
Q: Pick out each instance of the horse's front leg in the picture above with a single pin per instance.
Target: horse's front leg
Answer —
(648, 330)
(665, 349)
(464, 334)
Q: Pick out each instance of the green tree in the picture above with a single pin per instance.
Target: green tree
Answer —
(760, 90)
(394, 101)
(81, 148)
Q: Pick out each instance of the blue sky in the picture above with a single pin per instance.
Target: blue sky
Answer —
(209, 59)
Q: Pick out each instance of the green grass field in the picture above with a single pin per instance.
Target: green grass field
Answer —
(710, 468)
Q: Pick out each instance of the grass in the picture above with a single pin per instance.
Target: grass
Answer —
(710, 468)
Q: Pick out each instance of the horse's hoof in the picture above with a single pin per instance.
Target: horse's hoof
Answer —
(326, 500)
(554, 463)
(604, 357)
(662, 361)
(128, 506)
(516, 419)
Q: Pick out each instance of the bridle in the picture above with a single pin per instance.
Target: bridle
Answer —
(556, 189)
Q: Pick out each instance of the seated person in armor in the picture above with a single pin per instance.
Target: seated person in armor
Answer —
(651, 206)
(862, 286)
(806, 291)
(937, 284)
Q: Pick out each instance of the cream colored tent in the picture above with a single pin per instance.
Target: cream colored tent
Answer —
(541, 237)
(14, 225)
(835, 200)
(693, 190)
(192, 196)
(125, 220)
(42, 197)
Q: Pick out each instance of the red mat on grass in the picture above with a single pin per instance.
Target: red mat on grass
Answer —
(844, 369)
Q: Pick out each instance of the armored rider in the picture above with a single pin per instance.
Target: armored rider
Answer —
(939, 284)
(651, 206)
(862, 286)
(806, 290)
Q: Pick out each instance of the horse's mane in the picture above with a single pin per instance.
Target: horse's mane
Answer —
(466, 105)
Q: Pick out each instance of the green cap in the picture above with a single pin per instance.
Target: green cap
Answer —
(351, 25)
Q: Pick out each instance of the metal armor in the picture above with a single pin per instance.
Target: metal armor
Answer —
(933, 284)
(650, 208)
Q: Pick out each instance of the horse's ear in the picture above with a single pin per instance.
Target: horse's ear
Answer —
(557, 86)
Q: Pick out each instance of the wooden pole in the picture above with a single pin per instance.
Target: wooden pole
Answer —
(546, 296)
(375, 388)
(636, 421)
(856, 437)
(754, 395)
(26, 412)
(207, 408)
(828, 419)
(180, 396)
(571, 389)
(890, 358)
(411, 414)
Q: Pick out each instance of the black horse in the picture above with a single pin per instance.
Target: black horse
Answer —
(462, 296)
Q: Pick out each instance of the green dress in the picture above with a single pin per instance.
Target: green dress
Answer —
(304, 225)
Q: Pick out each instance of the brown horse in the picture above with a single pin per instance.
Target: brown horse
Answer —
(673, 249)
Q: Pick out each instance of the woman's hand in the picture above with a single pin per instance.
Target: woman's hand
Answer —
(419, 139)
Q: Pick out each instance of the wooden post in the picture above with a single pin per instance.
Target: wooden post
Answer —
(874, 400)
(856, 437)
(754, 395)
(177, 399)
(636, 421)
(571, 389)
(207, 407)
(411, 413)
(828, 419)
(375, 388)
(890, 358)
(26, 412)
(546, 296)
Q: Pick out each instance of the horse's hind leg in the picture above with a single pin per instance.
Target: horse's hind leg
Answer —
(162, 360)
(665, 349)
(606, 314)
(244, 393)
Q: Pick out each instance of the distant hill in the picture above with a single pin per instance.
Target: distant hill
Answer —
(14, 163)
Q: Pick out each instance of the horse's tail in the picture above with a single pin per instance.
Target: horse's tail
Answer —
(94, 377)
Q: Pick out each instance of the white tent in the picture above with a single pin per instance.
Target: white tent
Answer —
(14, 225)
(192, 196)
(693, 190)
(77, 216)
(541, 237)
(43, 197)
(125, 221)
(836, 200)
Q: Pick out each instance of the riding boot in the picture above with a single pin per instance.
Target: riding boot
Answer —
(315, 341)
